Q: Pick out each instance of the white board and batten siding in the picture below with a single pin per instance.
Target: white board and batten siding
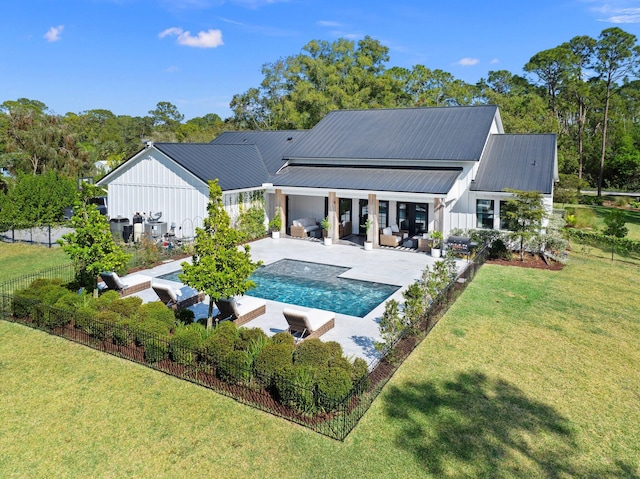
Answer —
(152, 182)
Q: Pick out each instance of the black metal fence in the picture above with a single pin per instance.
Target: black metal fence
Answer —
(65, 272)
(334, 417)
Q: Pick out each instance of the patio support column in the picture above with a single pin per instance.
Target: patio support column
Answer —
(438, 209)
(333, 215)
(281, 201)
(373, 216)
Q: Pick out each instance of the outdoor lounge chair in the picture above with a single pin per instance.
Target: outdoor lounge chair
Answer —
(387, 238)
(178, 299)
(310, 323)
(134, 283)
(240, 309)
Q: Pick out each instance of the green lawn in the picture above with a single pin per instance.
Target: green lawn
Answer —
(597, 214)
(530, 374)
(19, 259)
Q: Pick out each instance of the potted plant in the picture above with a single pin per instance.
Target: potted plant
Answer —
(368, 244)
(326, 225)
(436, 246)
(276, 223)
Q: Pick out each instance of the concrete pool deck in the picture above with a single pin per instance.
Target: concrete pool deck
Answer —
(356, 335)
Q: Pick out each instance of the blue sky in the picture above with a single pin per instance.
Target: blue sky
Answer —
(128, 55)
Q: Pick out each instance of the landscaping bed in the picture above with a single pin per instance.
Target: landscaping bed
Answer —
(529, 261)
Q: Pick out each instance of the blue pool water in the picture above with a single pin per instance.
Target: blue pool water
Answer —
(315, 285)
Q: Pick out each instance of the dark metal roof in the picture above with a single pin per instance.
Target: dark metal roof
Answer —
(235, 166)
(447, 133)
(407, 180)
(271, 144)
(519, 162)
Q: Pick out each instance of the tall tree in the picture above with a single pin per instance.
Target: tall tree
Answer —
(553, 69)
(616, 56)
(582, 48)
(220, 265)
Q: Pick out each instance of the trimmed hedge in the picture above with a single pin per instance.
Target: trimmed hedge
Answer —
(621, 245)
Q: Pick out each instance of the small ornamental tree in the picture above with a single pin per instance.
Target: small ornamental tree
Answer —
(91, 246)
(615, 221)
(524, 213)
(220, 266)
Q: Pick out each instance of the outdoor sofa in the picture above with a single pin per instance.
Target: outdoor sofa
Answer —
(303, 227)
(133, 284)
(240, 309)
(392, 236)
(178, 299)
(309, 323)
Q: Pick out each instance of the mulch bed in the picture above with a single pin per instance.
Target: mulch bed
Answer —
(530, 261)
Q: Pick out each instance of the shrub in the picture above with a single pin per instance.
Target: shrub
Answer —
(103, 324)
(122, 334)
(283, 337)
(499, 250)
(272, 360)
(235, 367)
(333, 386)
(360, 375)
(126, 307)
(312, 353)
(155, 350)
(71, 301)
(248, 336)
(185, 343)
(145, 331)
(295, 387)
(105, 299)
(221, 342)
(49, 317)
(615, 221)
(157, 311)
(622, 201)
(185, 316)
(22, 304)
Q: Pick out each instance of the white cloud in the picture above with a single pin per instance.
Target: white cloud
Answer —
(467, 61)
(625, 15)
(53, 35)
(494, 61)
(328, 23)
(616, 11)
(209, 39)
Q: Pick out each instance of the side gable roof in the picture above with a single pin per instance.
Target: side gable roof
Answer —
(235, 166)
(447, 133)
(519, 162)
(271, 144)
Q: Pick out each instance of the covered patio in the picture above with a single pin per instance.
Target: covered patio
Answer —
(356, 335)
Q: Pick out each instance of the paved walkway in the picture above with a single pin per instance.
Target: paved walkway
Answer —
(356, 335)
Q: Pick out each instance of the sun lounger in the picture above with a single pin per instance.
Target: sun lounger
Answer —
(180, 298)
(241, 309)
(133, 284)
(311, 323)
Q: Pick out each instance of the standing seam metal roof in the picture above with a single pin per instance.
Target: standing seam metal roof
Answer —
(272, 145)
(519, 162)
(434, 181)
(235, 166)
(447, 133)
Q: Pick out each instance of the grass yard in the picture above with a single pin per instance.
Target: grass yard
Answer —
(531, 373)
(593, 217)
(19, 259)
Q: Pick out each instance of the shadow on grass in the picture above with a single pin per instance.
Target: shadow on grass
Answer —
(475, 426)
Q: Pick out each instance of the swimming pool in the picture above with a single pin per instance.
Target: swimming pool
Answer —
(315, 285)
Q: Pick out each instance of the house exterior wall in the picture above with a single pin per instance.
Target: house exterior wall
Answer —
(152, 182)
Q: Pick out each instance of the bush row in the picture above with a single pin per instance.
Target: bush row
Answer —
(311, 376)
(621, 245)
